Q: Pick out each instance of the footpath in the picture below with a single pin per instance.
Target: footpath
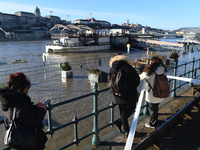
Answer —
(183, 136)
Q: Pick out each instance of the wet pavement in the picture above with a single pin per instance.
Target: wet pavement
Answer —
(184, 136)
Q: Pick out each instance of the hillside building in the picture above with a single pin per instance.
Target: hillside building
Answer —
(19, 26)
(92, 21)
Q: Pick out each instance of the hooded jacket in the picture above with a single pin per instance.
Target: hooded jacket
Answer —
(149, 93)
(27, 114)
(118, 62)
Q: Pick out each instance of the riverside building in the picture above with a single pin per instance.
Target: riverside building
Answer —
(26, 25)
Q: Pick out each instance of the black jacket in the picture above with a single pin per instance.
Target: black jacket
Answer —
(134, 78)
(27, 114)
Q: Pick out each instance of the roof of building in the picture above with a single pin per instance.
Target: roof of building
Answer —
(50, 16)
(24, 13)
(70, 27)
(91, 19)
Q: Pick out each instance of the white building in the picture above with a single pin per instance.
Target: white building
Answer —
(92, 21)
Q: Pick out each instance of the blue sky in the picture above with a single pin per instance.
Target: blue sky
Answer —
(162, 14)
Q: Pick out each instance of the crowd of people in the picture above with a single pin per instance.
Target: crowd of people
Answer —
(30, 115)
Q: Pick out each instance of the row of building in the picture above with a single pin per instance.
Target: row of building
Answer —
(25, 25)
(30, 26)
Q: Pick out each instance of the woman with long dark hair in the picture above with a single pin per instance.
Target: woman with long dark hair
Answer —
(155, 67)
(28, 115)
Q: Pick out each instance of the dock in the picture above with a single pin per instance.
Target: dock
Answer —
(160, 44)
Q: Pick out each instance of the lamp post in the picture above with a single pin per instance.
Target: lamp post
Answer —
(44, 58)
(128, 48)
(147, 55)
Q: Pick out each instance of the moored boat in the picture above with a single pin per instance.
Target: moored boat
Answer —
(78, 44)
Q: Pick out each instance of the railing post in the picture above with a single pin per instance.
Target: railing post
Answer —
(179, 82)
(112, 113)
(185, 69)
(95, 139)
(199, 63)
(174, 81)
(75, 130)
(50, 129)
(191, 84)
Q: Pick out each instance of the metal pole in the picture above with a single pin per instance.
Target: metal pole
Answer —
(50, 129)
(75, 130)
(128, 48)
(95, 139)
(174, 81)
(185, 69)
(191, 84)
(199, 63)
(44, 60)
(112, 113)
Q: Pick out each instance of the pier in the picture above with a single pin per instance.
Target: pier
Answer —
(159, 44)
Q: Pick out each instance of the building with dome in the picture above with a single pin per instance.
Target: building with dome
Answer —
(27, 25)
(37, 12)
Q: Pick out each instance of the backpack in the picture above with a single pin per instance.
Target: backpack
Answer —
(161, 86)
(120, 85)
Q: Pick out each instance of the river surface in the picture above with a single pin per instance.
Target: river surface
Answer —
(47, 84)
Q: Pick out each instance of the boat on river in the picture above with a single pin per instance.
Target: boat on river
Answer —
(78, 44)
(81, 38)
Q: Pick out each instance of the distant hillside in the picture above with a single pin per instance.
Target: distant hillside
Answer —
(189, 29)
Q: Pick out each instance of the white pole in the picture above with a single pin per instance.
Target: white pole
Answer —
(44, 60)
(131, 135)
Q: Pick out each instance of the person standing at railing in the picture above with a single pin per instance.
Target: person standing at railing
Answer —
(125, 96)
(148, 75)
(26, 114)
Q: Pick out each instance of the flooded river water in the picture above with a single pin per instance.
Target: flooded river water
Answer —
(27, 57)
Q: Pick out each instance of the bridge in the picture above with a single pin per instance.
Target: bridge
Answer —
(144, 40)
(159, 44)
(154, 35)
(140, 35)
(189, 41)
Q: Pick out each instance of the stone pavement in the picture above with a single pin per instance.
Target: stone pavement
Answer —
(185, 137)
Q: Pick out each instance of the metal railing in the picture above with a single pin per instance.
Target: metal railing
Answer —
(175, 85)
(183, 71)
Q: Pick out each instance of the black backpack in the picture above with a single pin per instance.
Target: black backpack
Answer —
(120, 84)
(161, 86)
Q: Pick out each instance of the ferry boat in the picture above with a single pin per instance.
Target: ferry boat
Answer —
(81, 38)
(78, 44)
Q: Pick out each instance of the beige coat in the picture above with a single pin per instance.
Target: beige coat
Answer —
(149, 95)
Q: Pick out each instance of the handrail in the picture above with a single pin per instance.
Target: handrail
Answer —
(161, 129)
(96, 140)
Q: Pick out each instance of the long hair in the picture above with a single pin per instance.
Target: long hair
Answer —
(18, 82)
(155, 63)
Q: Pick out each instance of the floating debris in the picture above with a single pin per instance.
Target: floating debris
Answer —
(19, 61)
(3, 63)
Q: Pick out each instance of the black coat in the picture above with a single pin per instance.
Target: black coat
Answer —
(133, 77)
(27, 114)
